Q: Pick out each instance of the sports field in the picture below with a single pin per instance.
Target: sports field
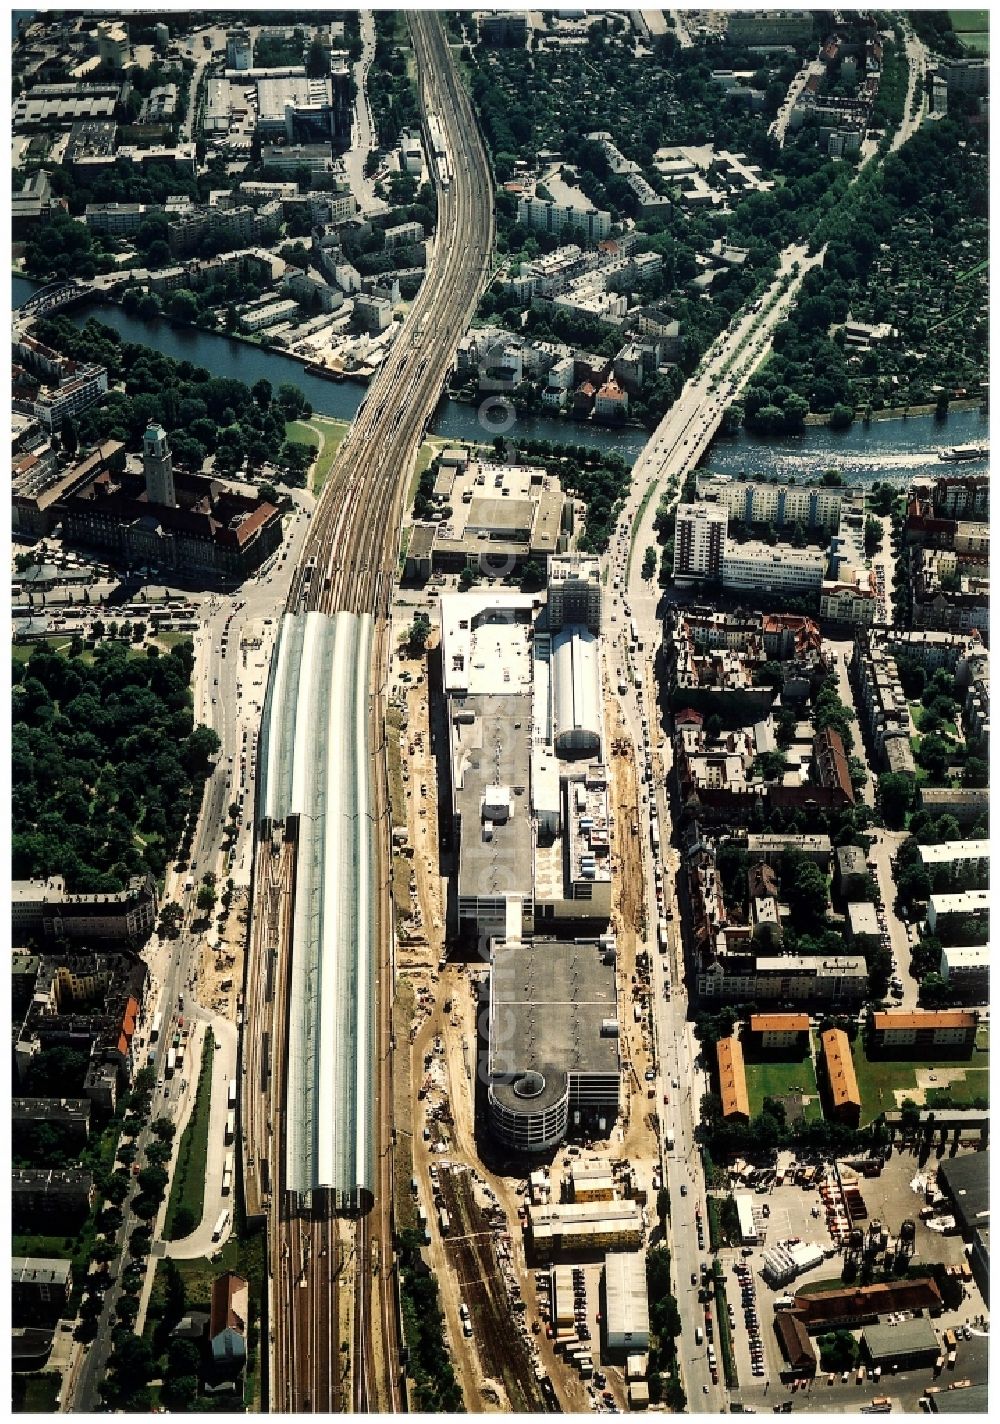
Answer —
(972, 28)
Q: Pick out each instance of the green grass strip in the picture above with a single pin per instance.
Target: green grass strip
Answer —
(188, 1186)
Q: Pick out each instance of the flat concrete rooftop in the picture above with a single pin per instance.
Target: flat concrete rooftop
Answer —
(491, 755)
(550, 999)
(486, 642)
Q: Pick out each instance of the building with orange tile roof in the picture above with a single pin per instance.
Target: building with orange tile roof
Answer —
(831, 765)
(779, 1030)
(843, 1309)
(925, 1030)
(843, 1097)
(732, 1079)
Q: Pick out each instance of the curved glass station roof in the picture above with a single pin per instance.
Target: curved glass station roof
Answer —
(316, 765)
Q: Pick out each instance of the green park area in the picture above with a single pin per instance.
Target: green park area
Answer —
(324, 435)
(776, 1079)
(884, 1082)
(60, 643)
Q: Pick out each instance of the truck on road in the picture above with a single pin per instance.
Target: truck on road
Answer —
(230, 1126)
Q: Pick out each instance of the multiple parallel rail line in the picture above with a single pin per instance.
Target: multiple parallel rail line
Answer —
(349, 563)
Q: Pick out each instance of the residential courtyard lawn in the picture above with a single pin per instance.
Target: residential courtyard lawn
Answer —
(783, 1080)
(880, 1079)
(918, 711)
(36, 1394)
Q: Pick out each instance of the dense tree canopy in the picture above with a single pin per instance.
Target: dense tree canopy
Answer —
(106, 764)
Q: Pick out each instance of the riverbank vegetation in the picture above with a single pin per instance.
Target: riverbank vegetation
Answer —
(202, 414)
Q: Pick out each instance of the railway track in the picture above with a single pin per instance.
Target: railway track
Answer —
(349, 563)
(471, 1249)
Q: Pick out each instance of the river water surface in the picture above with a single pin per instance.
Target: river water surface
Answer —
(885, 449)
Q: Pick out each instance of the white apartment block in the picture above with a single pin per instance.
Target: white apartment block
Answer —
(764, 568)
(756, 502)
(846, 600)
(956, 855)
(259, 317)
(87, 385)
(944, 910)
(553, 217)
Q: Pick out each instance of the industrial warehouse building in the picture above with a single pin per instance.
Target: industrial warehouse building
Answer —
(973, 1400)
(796, 1346)
(966, 1182)
(744, 1211)
(553, 1057)
(787, 1259)
(626, 1301)
(862, 1305)
(586, 1226)
(910, 1344)
(591, 1179)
